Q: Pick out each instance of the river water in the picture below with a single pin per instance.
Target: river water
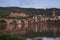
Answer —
(44, 38)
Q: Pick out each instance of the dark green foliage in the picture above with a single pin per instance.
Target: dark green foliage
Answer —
(10, 37)
(2, 24)
(5, 11)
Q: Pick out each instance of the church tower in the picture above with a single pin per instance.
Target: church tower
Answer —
(54, 16)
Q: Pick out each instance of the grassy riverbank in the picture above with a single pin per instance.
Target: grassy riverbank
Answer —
(11, 37)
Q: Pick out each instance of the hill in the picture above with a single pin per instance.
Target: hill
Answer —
(5, 11)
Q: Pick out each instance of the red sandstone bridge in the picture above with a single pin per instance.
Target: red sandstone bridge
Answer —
(15, 26)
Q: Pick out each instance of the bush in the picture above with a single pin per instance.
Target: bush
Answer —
(10, 37)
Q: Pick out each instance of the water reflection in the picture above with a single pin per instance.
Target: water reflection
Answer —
(43, 27)
(44, 38)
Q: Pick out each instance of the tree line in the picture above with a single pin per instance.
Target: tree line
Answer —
(5, 11)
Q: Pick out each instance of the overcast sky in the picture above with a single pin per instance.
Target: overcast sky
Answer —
(31, 3)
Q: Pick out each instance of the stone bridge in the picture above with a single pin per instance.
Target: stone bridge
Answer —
(16, 26)
(13, 25)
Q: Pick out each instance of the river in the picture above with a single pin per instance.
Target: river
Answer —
(44, 38)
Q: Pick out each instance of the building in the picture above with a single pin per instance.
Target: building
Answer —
(18, 14)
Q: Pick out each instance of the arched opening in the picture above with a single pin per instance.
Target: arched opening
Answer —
(22, 27)
(13, 24)
(3, 24)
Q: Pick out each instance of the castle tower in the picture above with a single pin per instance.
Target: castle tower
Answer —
(53, 14)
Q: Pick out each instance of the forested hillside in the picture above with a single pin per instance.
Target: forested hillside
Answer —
(5, 11)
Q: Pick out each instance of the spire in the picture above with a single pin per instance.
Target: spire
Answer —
(53, 13)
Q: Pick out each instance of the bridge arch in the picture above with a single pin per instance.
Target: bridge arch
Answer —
(13, 24)
(3, 24)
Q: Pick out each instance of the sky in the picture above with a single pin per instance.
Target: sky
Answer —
(30, 3)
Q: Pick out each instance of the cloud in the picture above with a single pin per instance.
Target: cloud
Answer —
(31, 3)
(9, 3)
